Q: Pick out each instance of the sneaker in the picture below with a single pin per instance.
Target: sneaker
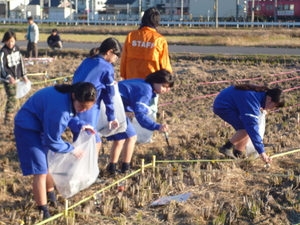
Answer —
(227, 152)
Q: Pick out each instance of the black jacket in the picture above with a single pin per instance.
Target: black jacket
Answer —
(52, 39)
(11, 63)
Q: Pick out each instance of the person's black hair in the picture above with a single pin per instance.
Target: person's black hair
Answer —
(276, 94)
(160, 77)
(94, 51)
(8, 35)
(83, 91)
(151, 18)
(30, 18)
(106, 45)
(55, 30)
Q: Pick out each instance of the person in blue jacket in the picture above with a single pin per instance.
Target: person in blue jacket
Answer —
(240, 106)
(98, 70)
(136, 95)
(38, 128)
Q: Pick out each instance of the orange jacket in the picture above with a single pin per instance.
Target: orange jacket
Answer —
(145, 51)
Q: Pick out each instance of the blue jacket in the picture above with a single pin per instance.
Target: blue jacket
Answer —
(247, 104)
(49, 112)
(136, 96)
(100, 73)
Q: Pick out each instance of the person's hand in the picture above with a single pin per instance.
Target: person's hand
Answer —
(163, 128)
(89, 128)
(265, 158)
(11, 80)
(26, 79)
(113, 124)
(78, 153)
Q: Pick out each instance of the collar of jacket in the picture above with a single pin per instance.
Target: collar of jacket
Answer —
(97, 56)
(10, 49)
(145, 27)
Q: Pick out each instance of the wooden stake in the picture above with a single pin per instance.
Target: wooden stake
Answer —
(66, 207)
(143, 165)
(153, 162)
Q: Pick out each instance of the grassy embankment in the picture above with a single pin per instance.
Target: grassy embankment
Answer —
(246, 37)
(272, 37)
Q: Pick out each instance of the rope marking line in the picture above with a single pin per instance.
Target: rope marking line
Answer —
(173, 161)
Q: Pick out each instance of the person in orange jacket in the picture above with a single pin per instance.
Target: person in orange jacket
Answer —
(145, 50)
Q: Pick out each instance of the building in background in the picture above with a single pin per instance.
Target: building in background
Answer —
(123, 9)
(13, 9)
(228, 9)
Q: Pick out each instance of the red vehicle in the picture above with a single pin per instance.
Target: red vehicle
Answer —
(265, 10)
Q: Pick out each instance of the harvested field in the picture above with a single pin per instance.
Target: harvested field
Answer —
(239, 192)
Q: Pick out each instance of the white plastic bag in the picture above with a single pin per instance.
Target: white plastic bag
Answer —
(22, 89)
(71, 174)
(143, 135)
(102, 126)
(250, 150)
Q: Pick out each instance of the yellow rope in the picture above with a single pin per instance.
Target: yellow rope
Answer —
(201, 160)
(35, 74)
(247, 173)
(45, 81)
(103, 189)
(50, 219)
(285, 153)
(171, 161)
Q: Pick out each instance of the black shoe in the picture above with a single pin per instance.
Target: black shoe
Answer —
(45, 214)
(112, 172)
(238, 154)
(111, 168)
(227, 152)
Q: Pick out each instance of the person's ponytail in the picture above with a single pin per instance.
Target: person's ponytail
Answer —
(83, 91)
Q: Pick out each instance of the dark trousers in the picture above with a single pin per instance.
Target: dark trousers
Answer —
(57, 44)
(32, 50)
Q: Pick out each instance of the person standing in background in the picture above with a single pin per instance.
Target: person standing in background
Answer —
(12, 69)
(33, 37)
(145, 50)
(98, 69)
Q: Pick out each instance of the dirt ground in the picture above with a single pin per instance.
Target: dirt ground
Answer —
(240, 192)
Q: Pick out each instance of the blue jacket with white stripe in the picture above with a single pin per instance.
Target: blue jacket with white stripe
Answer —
(50, 112)
(100, 73)
(247, 104)
(136, 96)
